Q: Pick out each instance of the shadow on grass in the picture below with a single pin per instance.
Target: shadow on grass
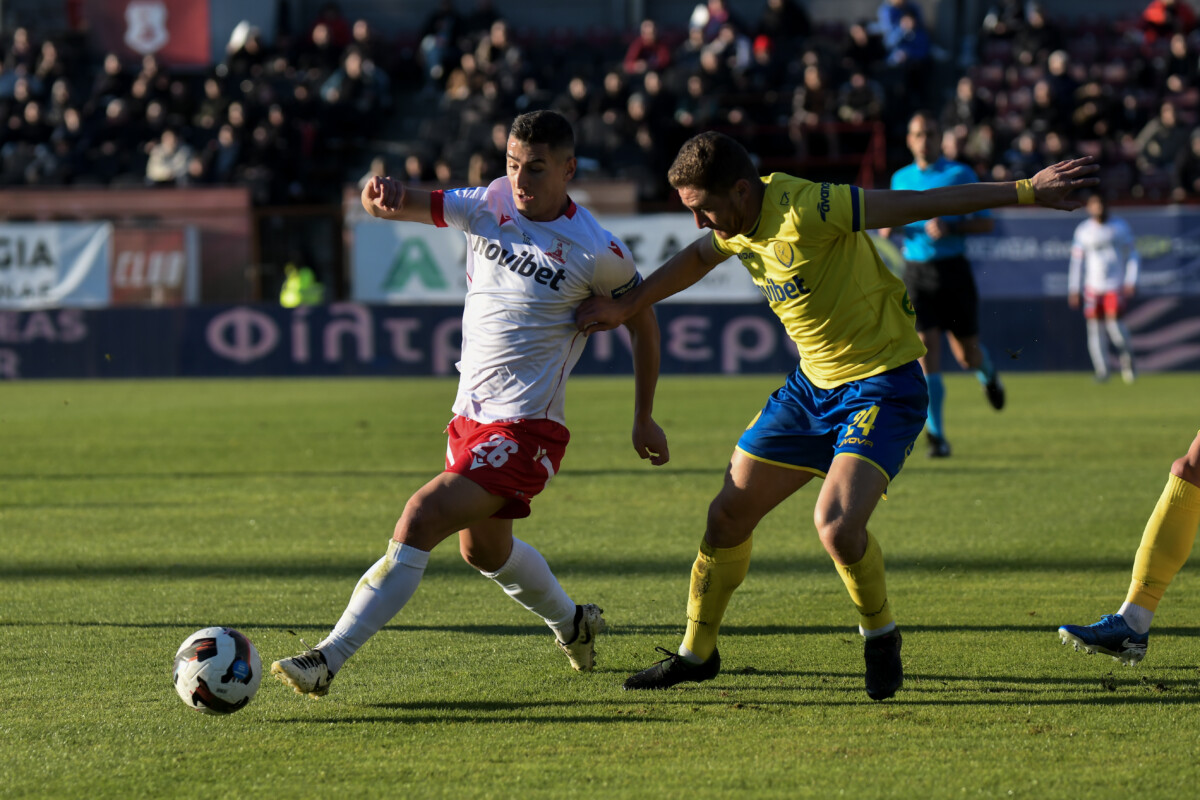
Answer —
(670, 569)
(297, 474)
(671, 631)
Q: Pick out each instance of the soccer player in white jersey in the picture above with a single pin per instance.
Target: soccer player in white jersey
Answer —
(532, 257)
(1104, 261)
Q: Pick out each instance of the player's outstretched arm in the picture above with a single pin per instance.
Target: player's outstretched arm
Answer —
(678, 273)
(1053, 187)
(648, 438)
(387, 198)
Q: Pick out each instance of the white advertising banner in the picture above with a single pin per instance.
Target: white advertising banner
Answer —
(46, 265)
(414, 264)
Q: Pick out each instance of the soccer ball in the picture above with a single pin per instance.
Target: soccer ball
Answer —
(217, 671)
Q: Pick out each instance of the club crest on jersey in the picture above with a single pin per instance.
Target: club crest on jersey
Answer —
(504, 218)
(783, 253)
(559, 252)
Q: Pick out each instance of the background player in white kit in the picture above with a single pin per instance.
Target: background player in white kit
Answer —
(532, 257)
(1104, 260)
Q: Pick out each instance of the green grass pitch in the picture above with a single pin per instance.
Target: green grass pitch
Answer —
(133, 513)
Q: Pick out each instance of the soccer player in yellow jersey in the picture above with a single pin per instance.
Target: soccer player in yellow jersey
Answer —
(851, 411)
(1166, 544)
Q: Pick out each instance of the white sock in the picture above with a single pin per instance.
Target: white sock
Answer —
(526, 578)
(877, 632)
(380, 594)
(689, 656)
(1136, 617)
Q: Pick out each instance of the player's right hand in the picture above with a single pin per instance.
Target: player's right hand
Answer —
(382, 195)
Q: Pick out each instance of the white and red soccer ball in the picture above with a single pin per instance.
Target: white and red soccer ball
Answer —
(217, 671)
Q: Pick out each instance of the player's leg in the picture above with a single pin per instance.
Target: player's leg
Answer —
(1097, 347)
(962, 327)
(931, 365)
(1166, 544)
(522, 572)
(848, 497)
(882, 417)
(1118, 333)
(751, 489)
(442, 506)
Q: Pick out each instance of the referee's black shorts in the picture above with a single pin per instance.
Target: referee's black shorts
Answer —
(944, 296)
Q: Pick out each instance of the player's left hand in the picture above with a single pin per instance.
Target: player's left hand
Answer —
(650, 442)
(1053, 185)
(936, 228)
(598, 314)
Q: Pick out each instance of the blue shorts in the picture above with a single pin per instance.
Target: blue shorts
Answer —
(876, 419)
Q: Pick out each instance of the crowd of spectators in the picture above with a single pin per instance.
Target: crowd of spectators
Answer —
(297, 117)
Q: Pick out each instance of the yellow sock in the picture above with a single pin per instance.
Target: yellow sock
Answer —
(867, 585)
(715, 575)
(1166, 543)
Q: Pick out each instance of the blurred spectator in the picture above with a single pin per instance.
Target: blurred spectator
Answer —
(357, 90)
(785, 23)
(1092, 113)
(1185, 184)
(379, 168)
(860, 99)
(1162, 18)
(439, 39)
(1044, 112)
(1058, 73)
(696, 108)
(1037, 38)
(245, 52)
(965, 109)
(21, 56)
(733, 49)
(979, 149)
(50, 66)
(813, 109)
(500, 58)
(224, 155)
(330, 16)
(416, 169)
(647, 51)
(577, 101)
(709, 16)
(863, 48)
(1021, 160)
(891, 14)
(1179, 69)
(1161, 141)
(320, 55)
(1003, 20)
(168, 161)
(110, 83)
(908, 59)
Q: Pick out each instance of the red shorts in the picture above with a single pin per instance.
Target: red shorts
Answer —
(514, 460)
(1103, 305)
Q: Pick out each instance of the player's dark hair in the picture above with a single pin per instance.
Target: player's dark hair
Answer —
(544, 127)
(931, 120)
(711, 162)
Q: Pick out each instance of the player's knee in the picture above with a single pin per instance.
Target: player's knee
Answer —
(725, 526)
(1187, 467)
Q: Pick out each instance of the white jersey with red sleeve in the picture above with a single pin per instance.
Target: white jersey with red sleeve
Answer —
(1104, 257)
(524, 282)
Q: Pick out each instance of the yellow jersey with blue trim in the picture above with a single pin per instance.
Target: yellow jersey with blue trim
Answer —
(849, 316)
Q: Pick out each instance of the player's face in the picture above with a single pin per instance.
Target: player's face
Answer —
(724, 214)
(924, 140)
(1096, 209)
(539, 175)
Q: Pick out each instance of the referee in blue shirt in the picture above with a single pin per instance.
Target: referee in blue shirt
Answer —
(939, 279)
